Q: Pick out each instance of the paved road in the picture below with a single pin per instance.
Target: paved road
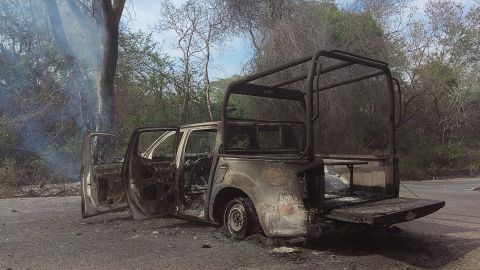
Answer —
(48, 233)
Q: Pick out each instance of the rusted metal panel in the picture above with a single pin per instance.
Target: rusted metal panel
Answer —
(274, 190)
(101, 184)
(150, 182)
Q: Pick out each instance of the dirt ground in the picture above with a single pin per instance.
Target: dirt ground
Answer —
(49, 233)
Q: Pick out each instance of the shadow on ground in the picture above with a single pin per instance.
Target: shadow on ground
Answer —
(430, 249)
(420, 250)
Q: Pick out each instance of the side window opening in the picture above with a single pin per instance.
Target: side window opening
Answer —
(157, 145)
(263, 137)
(107, 150)
(165, 148)
(201, 141)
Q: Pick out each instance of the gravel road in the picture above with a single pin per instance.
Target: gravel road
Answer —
(49, 233)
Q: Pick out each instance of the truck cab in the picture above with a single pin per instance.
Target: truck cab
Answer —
(252, 174)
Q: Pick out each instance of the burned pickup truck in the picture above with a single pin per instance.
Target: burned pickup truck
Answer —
(254, 174)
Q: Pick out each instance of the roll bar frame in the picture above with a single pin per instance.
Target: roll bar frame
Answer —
(316, 69)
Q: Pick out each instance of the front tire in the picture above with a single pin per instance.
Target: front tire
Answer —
(239, 218)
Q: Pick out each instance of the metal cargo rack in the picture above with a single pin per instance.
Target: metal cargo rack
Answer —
(318, 67)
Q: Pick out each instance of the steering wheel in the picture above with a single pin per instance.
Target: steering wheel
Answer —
(198, 172)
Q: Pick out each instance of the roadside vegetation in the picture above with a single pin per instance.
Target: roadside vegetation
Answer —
(48, 100)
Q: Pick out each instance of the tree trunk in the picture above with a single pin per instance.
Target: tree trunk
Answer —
(206, 78)
(112, 13)
(187, 90)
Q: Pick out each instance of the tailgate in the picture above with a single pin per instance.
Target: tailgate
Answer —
(386, 212)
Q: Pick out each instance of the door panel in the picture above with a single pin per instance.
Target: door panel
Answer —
(149, 172)
(101, 183)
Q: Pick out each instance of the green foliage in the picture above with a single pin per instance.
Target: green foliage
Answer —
(144, 96)
(451, 154)
(14, 173)
(11, 174)
(237, 104)
(149, 91)
(474, 165)
(344, 27)
(37, 111)
(371, 132)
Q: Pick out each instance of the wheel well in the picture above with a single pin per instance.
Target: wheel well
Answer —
(221, 200)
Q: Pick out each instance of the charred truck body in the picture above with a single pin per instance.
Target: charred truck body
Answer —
(249, 174)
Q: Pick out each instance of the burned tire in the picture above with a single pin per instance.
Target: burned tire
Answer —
(239, 218)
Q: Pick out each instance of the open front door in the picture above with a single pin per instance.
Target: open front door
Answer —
(149, 172)
(101, 183)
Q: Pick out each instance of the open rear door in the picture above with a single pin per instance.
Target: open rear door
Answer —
(386, 212)
(101, 183)
(149, 172)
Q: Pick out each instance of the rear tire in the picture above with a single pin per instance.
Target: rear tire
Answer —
(239, 218)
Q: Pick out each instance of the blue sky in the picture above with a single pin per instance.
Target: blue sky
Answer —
(227, 60)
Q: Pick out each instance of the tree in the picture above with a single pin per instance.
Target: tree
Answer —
(256, 18)
(78, 80)
(109, 20)
(112, 12)
(212, 30)
(198, 27)
(143, 84)
(439, 53)
(184, 21)
(36, 117)
(440, 60)
(299, 28)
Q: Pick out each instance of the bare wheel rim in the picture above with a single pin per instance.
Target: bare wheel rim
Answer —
(236, 218)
